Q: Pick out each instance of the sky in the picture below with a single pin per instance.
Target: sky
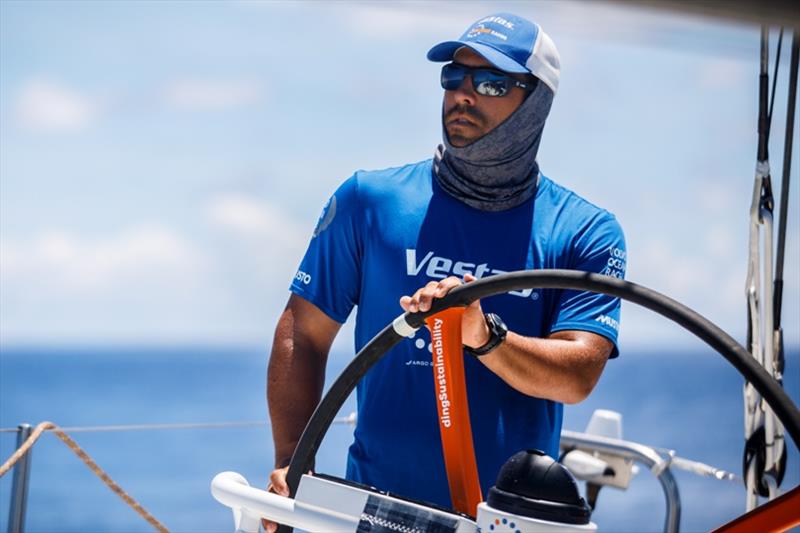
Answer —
(163, 164)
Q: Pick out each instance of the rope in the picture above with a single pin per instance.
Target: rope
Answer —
(116, 489)
(22, 450)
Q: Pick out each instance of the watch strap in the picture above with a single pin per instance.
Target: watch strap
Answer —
(497, 334)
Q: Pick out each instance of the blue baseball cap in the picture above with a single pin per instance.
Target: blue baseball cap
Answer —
(510, 43)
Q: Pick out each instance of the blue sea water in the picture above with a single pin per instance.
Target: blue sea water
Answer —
(690, 402)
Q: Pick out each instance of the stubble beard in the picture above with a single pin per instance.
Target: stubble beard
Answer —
(477, 117)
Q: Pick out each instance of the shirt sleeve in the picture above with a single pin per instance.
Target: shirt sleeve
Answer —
(329, 274)
(599, 248)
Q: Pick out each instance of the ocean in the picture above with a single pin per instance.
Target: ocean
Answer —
(689, 402)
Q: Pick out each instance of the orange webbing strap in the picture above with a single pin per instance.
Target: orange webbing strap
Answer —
(451, 401)
(778, 515)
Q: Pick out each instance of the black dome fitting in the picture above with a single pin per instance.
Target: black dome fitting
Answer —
(534, 485)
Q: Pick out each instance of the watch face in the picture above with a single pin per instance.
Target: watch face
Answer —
(497, 325)
(497, 334)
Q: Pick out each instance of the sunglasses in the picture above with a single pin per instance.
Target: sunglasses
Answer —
(485, 81)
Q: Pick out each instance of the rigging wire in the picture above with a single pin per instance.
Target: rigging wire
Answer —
(774, 82)
(763, 91)
(787, 165)
(349, 419)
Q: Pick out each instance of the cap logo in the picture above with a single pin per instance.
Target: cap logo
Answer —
(477, 30)
(498, 20)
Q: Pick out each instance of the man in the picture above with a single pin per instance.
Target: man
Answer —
(480, 207)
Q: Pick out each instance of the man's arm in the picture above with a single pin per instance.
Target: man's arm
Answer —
(564, 367)
(296, 372)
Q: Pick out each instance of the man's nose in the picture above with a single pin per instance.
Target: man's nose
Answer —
(465, 93)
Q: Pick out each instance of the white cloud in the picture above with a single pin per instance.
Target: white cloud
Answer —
(240, 213)
(253, 219)
(678, 274)
(723, 73)
(394, 20)
(705, 273)
(593, 20)
(720, 241)
(717, 197)
(142, 255)
(47, 106)
(448, 19)
(205, 95)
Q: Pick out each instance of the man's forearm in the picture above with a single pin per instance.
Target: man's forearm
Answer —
(564, 367)
(295, 378)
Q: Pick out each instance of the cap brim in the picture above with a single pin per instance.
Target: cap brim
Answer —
(446, 50)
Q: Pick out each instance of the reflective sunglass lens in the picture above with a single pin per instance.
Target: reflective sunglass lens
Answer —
(485, 82)
(490, 85)
(452, 77)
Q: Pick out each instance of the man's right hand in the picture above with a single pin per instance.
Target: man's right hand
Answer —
(277, 484)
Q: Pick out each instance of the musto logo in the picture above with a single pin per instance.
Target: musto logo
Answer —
(440, 267)
(302, 277)
(608, 321)
(441, 379)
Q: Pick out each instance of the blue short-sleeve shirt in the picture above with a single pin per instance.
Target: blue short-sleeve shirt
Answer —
(384, 234)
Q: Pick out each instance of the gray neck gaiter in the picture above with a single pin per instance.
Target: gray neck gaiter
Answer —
(498, 171)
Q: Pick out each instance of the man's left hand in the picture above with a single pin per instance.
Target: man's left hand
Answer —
(563, 367)
(474, 331)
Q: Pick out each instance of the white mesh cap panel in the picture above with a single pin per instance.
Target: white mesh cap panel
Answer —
(544, 62)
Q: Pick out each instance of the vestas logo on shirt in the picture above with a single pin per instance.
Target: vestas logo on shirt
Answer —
(438, 267)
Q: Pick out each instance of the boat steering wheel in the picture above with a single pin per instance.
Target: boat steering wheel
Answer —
(306, 450)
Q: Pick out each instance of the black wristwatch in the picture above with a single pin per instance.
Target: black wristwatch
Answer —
(497, 334)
